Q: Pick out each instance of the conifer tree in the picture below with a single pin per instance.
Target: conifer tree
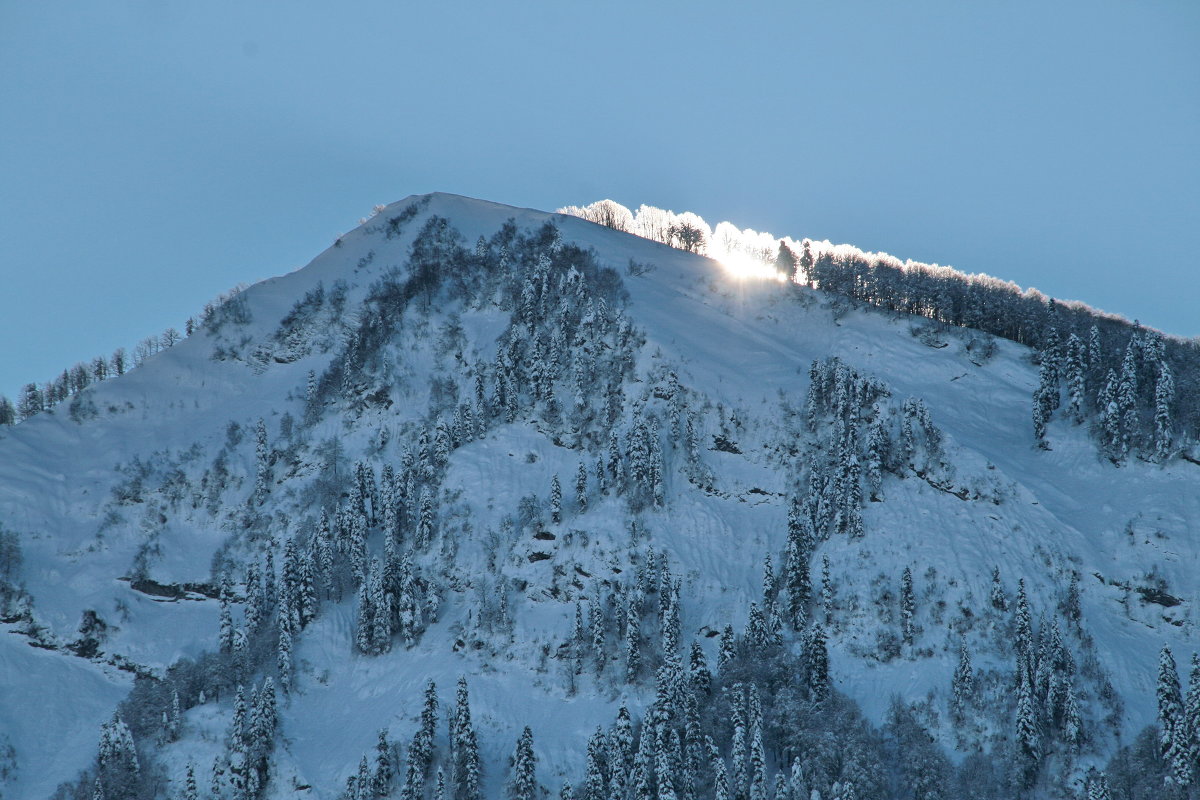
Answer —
(816, 658)
(217, 787)
(1174, 737)
(466, 774)
(621, 752)
(1039, 420)
(698, 673)
(555, 500)
(1028, 734)
(596, 620)
(523, 784)
(190, 792)
(726, 651)
(581, 488)
(997, 597)
(964, 680)
(381, 781)
(643, 763)
(1097, 782)
(175, 720)
(720, 777)
(262, 461)
(364, 624)
(1191, 712)
(1094, 351)
(1024, 633)
(1076, 386)
(226, 621)
(284, 653)
(908, 608)
(799, 588)
(1072, 724)
(757, 765)
(1110, 419)
(595, 784)
(238, 726)
(1164, 396)
(633, 643)
(739, 772)
(877, 446)
(827, 591)
(665, 766)
(1126, 397)
(362, 783)
(425, 522)
(768, 582)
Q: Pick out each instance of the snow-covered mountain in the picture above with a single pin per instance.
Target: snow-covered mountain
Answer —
(769, 540)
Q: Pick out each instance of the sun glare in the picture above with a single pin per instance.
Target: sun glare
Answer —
(746, 267)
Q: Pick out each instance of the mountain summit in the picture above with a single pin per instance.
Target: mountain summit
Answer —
(493, 502)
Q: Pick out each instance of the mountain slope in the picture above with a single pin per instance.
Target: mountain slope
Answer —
(152, 481)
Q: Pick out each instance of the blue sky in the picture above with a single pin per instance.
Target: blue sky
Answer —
(154, 154)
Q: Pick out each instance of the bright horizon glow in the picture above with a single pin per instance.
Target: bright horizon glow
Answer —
(744, 267)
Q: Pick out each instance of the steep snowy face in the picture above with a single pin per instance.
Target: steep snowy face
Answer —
(681, 532)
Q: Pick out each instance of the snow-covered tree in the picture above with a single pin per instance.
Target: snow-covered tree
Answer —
(908, 606)
(1028, 733)
(555, 500)
(1164, 396)
(523, 783)
(816, 658)
(963, 685)
(581, 488)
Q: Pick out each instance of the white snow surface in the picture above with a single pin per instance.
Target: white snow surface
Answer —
(745, 345)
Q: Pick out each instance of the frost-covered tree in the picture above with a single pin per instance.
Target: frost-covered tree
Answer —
(1028, 732)
(190, 792)
(1097, 782)
(1109, 419)
(633, 641)
(997, 595)
(426, 521)
(816, 658)
(963, 685)
(262, 475)
(581, 488)
(727, 650)
(225, 616)
(1191, 712)
(827, 590)
(739, 772)
(796, 574)
(1039, 422)
(1175, 740)
(381, 779)
(1164, 396)
(118, 769)
(908, 606)
(555, 500)
(1075, 369)
(31, 401)
(466, 772)
(284, 652)
(699, 675)
(595, 782)
(523, 783)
